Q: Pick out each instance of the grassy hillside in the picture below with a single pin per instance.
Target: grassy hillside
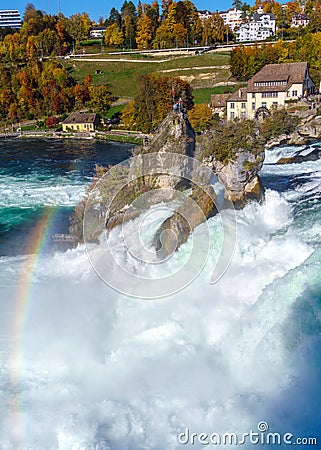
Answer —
(202, 71)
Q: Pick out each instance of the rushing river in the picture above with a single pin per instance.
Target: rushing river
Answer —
(85, 368)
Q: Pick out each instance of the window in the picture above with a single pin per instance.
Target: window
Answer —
(77, 127)
(232, 105)
(275, 104)
(294, 93)
(269, 94)
(243, 105)
(243, 115)
(253, 95)
(270, 83)
(253, 106)
(263, 104)
(232, 115)
(288, 94)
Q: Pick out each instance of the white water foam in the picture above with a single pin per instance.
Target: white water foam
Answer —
(28, 191)
(275, 153)
(101, 371)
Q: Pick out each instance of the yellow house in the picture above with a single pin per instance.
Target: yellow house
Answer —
(270, 88)
(81, 122)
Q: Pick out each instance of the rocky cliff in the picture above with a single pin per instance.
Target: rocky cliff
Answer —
(308, 130)
(239, 176)
(176, 136)
(235, 153)
(175, 230)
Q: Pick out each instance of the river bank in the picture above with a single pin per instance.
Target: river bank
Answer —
(114, 136)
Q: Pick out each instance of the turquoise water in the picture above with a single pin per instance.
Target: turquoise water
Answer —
(98, 370)
(37, 175)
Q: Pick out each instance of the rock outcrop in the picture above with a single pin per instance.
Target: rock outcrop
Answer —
(175, 230)
(309, 130)
(240, 177)
(163, 166)
(176, 136)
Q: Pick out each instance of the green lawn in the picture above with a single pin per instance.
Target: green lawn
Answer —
(122, 76)
(203, 95)
(114, 110)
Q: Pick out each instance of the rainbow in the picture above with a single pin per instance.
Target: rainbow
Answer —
(36, 245)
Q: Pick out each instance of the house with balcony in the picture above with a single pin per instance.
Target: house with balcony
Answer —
(271, 87)
(258, 28)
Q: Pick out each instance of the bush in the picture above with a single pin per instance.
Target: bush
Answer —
(201, 117)
(280, 122)
(51, 122)
(226, 139)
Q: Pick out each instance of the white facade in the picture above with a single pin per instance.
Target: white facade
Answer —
(259, 28)
(299, 20)
(232, 18)
(204, 14)
(97, 32)
(10, 18)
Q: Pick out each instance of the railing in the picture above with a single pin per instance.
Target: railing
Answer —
(9, 135)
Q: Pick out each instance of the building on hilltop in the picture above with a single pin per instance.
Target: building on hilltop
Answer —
(271, 87)
(204, 14)
(232, 18)
(258, 28)
(97, 32)
(299, 20)
(10, 18)
(81, 122)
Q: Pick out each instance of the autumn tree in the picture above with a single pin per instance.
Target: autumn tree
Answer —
(30, 12)
(78, 27)
(100, 99)
(213, 29)
(144, 32)
(129, 31)
(48, 41)
(172, 32)
(315, 18)
(51, 122)
(163, 36)
(154, 100)
(196, 30)
(201, 117)
(128, 115)
(114, 35)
